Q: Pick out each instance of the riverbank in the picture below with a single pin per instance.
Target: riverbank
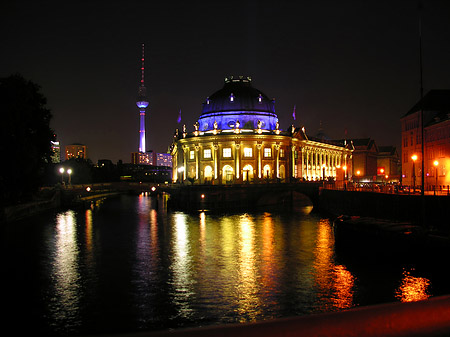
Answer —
(51, 199)
(21, 211)
(431, 212)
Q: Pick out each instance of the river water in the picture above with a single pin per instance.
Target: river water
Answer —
(126, 264)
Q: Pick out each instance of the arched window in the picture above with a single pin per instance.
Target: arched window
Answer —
(282, 172)
(208, 173)
(227, 174)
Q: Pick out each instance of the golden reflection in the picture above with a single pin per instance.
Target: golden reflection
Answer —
(413, 288)
(269, 266)
(154, 233)
(66, 273)
(335, 282)
(182, 273)
(247, 286)
(202, 230)
(88, 220)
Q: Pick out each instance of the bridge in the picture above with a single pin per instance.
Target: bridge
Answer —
(302, 195)
(187, 197)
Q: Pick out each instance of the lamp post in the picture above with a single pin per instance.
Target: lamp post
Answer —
(61, 170)
(345, 176)
(69, 172)
(435, 163)
(414, 158)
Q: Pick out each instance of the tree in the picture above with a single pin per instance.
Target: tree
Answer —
(25, 137)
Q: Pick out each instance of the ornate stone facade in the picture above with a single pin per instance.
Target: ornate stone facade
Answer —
(229, 151)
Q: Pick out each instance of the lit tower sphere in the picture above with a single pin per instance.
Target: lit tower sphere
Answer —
(142, 104)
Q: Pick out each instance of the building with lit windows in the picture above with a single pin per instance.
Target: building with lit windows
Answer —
(238, 139)
(373, 163)
(76, 151)
(164, 159)
(435, 106)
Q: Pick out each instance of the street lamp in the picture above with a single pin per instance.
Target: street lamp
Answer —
(69, 172)
(435, 163)
(345, 176)
(61, 170)
(414, 158)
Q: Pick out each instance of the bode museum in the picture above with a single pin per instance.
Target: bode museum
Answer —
(238, 139)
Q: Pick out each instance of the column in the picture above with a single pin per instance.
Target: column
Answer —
(215, 158)
(185, 154)
(258, 147)
(197, 161)
(293, 161)
(277, 154)
(237, 158)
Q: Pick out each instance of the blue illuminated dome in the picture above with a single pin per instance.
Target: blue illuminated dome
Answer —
(238, 101)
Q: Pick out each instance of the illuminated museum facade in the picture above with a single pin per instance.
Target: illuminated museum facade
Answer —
(238, 139)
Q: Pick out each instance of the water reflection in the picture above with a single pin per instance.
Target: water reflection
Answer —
(65, 303)
(247, 287)
(334, 282)
(270, 269)
(413, 288)
(181, 266)
(147, 259)
(159, 269)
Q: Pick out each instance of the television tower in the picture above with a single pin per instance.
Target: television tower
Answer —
(142, 104)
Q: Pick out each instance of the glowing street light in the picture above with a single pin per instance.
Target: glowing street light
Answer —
(435, 163)
(414, 158)
(61, 170)
(69, 172)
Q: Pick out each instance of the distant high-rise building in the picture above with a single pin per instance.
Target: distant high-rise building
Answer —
(56, 148)
(76, 151)
(164, 159)
(146, 158)
(151, 158)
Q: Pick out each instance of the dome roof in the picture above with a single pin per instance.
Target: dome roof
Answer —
(238, 94)
(239, 101)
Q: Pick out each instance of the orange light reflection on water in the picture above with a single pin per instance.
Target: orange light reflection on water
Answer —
(413, 288)
(334, 281)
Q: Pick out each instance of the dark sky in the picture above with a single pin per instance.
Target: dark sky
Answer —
(350, 65)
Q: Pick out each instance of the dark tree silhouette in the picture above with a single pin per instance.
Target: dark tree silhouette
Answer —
(25, 137)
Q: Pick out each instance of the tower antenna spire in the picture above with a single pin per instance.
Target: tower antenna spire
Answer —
(142, 104)
(142, 67)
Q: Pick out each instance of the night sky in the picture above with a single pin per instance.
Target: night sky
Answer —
(348, 65)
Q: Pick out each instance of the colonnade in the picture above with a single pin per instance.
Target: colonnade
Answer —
(299, 159)
(195, 166)
(322, 163)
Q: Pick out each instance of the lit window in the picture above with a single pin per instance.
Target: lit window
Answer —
(267, 152)
(191, 154)
(259, 98)
(231, 97)
(248, 152)
(207, 153)
(226, 152)
(281, 153)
